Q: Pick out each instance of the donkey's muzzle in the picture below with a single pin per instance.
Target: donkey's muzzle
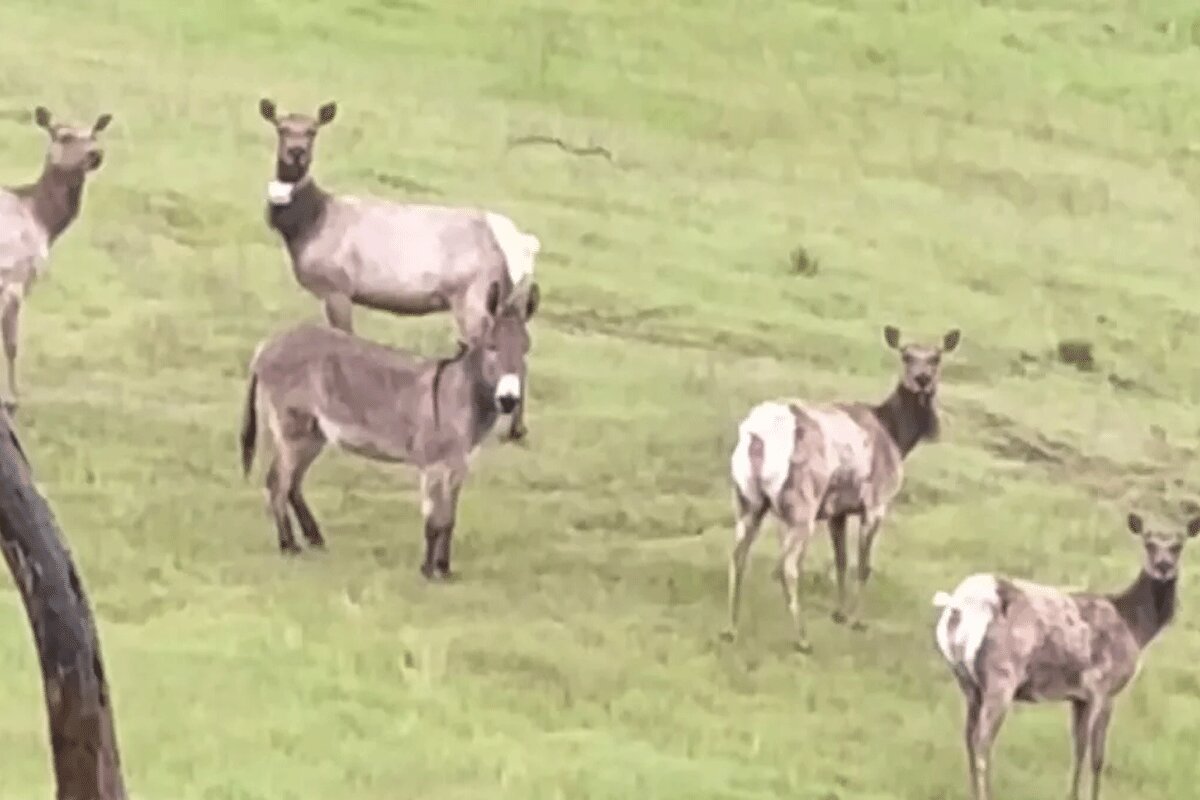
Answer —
(508, 393)
(507, 404)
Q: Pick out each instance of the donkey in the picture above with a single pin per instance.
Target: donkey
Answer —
(1007, 639)
(322, 385)
(811, 463)
(34, 215)
(404, 258)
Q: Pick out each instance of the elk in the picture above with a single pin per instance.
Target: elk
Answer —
(811, 463)
(34, 215)
(1007, 640)
(318, 385)
(407, 259)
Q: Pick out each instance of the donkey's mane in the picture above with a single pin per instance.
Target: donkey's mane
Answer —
(440, 367)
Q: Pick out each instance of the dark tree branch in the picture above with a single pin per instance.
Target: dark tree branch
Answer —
(593, 150)
(83, 742)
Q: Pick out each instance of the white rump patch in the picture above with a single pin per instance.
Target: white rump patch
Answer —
(509, 386)
(775, 425)
(279, 193)
(975, 603)
(519, 248)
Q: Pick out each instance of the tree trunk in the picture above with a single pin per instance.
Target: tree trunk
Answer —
(87, 765)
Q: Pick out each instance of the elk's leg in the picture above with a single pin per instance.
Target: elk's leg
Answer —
(837, 536)
(339, 312)
(974, 702)
(277, 505)
(306, 452)
(1101, 715)
(1081, 714)
(791, 560)
(868, 529)
(10, 328)
(992, 710)
(748, 521)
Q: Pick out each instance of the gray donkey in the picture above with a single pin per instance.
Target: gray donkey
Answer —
(808, 463)
(1009, 640)
(319, 385)
(404, 258)
(34, 215)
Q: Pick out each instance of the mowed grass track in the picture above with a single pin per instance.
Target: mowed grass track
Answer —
(1027, 171)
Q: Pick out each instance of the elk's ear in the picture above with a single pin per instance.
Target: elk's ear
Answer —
(1194, 526)
(41, 118)
(891, 335)
(326, 113)
(535, 299)
(101, 123)
(493, 298)
(950, 340)
(1135, 524)
(266, 108)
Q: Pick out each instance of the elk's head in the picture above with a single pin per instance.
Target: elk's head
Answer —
(921, 364)
(297, 137)
(1162, 548)
(72, 149)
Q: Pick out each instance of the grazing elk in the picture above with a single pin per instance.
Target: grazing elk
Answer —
(1007, 639)
(408, 259)
(34, 215)
(317, 384)
(809, 463)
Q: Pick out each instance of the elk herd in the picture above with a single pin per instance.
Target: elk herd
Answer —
(1004, 639)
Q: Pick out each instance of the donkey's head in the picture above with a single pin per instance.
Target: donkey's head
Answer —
(297, 135)
(505, 345)
(1162, 548)
(921, 364)
(72, 149)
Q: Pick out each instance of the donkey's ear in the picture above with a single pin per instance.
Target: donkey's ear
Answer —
(535, 299)
(950, 340)
(266, 107)
(326, 113)
(41, 118)
(1135, 524)
(891, 335)
(1194, 526)
(101, 123)
(493, 298)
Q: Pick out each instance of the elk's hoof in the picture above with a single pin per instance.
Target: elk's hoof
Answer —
(858, 625)
(840, 617)
(10, 407)
(727, 635)
(289, 548)
(803, 647)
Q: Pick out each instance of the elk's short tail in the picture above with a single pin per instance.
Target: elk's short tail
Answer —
(967, 613)
(249, 437)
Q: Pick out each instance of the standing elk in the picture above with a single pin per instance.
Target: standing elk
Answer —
(809, 463)
(1007, 639)
(34, 215)
(408, 259)
(316, 384)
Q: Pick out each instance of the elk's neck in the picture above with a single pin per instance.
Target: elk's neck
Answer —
(300, 217)
(908, 417)
(1147, 606)
(55, 198)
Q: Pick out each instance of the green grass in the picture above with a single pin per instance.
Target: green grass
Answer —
(1025, 170)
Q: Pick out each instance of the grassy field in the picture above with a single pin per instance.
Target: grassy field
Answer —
(1025, 170)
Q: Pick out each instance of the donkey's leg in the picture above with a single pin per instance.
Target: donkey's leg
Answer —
(277, 505)
(306, 451)
(749, 516)
(837, 536)
(10, 328)
(793, 546)
(1101, 714)
(439, 501)
(339, 311)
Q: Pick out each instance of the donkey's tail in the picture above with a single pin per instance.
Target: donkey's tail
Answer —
(249, 435)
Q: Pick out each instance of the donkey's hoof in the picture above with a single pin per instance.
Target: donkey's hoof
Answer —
(289, 549)
(840, 617)
(858, 625)
(10, 407)
(318, 544)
